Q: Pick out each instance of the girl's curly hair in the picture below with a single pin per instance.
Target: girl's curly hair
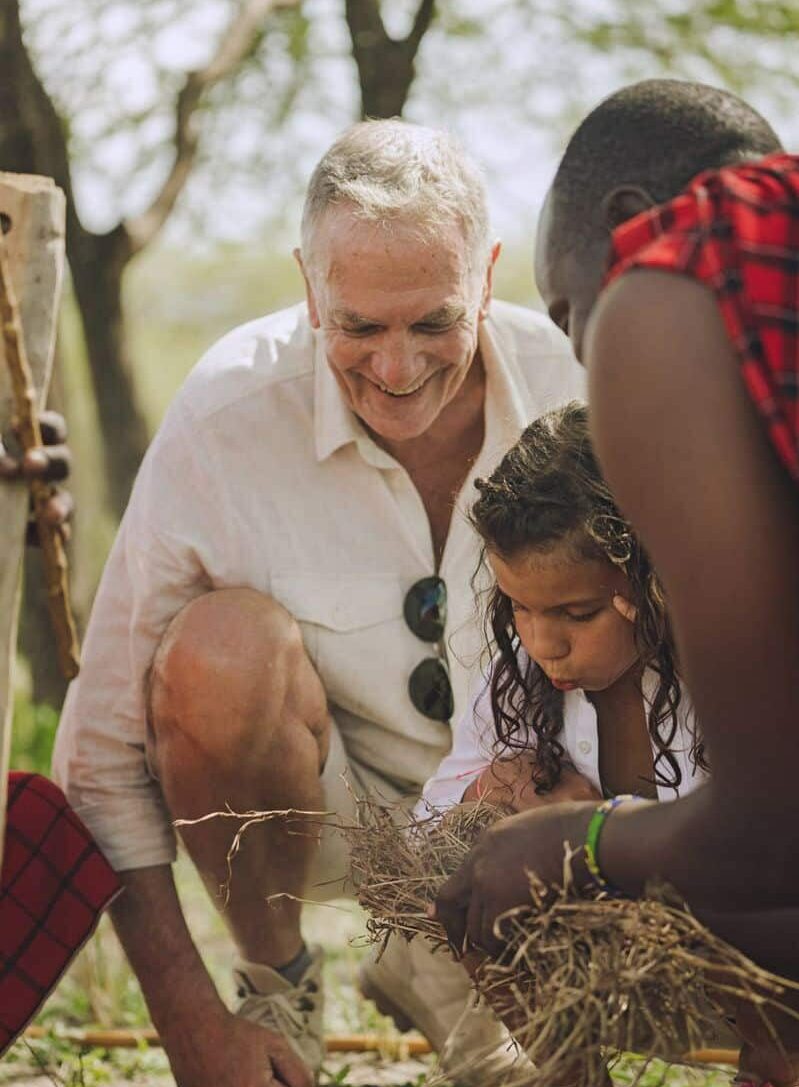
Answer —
(548, 491)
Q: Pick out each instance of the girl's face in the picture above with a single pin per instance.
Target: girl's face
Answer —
(565, 617)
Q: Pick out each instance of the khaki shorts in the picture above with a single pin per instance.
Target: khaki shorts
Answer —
(342, 780)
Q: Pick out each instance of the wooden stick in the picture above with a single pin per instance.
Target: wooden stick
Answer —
(713, 1056)
(30, 435)
(390, 1046)
(35, 209)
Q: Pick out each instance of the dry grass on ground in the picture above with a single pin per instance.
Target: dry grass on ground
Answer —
(100, 990)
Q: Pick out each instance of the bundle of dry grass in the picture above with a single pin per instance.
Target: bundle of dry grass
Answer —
(399, 862)
(581, 978)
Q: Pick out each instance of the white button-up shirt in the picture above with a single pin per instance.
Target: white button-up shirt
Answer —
(261, 476)
(474, 745)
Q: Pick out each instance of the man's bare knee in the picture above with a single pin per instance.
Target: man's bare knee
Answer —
(232, 672)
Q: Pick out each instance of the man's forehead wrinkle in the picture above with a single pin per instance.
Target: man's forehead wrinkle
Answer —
(447, 311)
(344, 314)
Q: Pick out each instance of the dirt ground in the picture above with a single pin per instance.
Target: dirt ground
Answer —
(100, 990)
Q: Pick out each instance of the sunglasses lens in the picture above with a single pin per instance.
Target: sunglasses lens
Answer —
(426, 609)
(430, 689)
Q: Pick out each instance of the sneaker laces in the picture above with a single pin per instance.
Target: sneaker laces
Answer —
(286, 1012)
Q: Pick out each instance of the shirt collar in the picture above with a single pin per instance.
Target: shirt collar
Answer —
(334, 424)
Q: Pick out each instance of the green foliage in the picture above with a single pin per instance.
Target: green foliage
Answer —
(64, 1065)
(339, 1079)
(634, 1072)
(178, 305)
(297, 34)
(745, 44)
(32, 735)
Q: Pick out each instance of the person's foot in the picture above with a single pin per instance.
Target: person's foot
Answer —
(479, 1051)
(430, 992)
(295, 1011)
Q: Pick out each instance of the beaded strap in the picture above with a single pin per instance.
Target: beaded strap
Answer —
(591, 847)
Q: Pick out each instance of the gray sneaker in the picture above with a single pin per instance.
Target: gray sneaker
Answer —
(294, 1011)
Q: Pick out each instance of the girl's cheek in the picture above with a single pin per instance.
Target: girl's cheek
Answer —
(522, 629)
(625, 639)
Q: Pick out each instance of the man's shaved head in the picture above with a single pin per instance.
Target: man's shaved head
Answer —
(641, 146)
(656, 135)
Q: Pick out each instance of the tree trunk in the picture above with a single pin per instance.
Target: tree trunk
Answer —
(32, 140)
(98, 264)
(386, 66)
(385, 71)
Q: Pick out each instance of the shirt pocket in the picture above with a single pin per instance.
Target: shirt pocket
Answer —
(352, 627)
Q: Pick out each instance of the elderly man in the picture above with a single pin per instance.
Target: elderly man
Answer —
(288, 601)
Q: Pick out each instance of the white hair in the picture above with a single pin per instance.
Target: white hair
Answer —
(394, 172)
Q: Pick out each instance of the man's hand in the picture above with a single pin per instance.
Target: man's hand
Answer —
(509, 783)
(50, 462)
(493, 878)
(236, 1053)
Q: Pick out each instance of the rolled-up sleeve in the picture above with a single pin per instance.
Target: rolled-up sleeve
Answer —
(473, 745)
(162, 558)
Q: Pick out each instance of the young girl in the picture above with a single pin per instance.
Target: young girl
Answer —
(583, 697)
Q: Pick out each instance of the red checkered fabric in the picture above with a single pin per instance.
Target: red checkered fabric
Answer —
(737, 230)
(54, 885)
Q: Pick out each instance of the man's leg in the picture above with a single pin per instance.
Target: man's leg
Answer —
(239, 717)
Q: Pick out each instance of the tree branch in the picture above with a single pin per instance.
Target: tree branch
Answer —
(364, 18)
(236, 44)
(421, 23)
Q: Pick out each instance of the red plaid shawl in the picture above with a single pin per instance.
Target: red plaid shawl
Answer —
(55, 883)
(737, 230)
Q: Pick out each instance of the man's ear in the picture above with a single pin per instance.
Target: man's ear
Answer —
(488, 283)
(313, 309)
(623, 203)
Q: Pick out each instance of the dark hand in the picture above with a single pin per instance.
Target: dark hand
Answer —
(493, 878)
(50, 462)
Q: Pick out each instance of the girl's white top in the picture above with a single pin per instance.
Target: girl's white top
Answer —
(474, 746)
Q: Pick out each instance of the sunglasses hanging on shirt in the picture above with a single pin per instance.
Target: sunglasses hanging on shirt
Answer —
(425, 611)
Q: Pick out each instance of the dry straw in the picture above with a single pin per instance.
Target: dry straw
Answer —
(581, 979)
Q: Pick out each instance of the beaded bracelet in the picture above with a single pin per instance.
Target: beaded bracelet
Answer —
(591, 846)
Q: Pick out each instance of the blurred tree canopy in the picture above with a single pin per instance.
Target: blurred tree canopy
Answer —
(201, 121)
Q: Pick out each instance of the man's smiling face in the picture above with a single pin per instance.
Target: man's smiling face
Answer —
(399, 313)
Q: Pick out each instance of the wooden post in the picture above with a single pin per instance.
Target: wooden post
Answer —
(32, 214)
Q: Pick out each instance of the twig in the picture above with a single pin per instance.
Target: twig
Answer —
(40, 1061)
(250, 819)
(580, 978)
(120, 1038)
(235, 45)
